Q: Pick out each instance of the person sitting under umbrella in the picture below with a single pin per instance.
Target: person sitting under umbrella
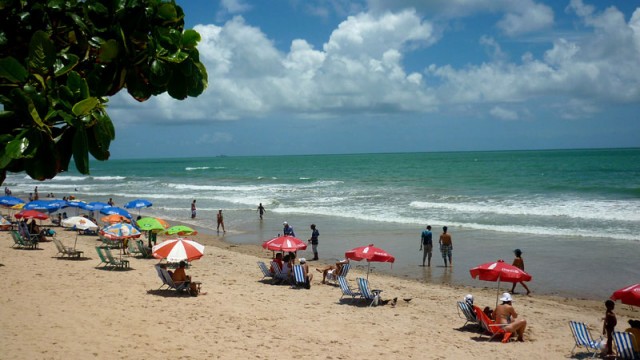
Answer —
(506, 314)
(332, 269)
(180, 277)
(307, 276)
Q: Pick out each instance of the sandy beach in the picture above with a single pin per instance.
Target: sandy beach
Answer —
(54, 308)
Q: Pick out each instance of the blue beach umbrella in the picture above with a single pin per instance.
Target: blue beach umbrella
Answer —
(137, 204)
(115, 210)
(10, 201)
(44, 205)
(96, 205)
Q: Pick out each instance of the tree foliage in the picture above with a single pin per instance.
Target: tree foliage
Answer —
(60, 60)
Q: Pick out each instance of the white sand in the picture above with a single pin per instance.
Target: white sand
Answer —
(53, 308)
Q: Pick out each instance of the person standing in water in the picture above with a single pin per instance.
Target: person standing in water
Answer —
(314, 241)
(446, 246)
(193, 209)
(220, 221)
(426, 242)
(261, 210)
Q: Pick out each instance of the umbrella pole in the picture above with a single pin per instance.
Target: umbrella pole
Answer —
(75, 242)
(498, 293)
(368, 268)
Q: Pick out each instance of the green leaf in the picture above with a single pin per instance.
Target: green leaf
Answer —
(86, 106)
(42, 53)
(190, 38)
(80, 149)
(34, 115)
(13, 150)
(78, 86)
(12, 70)
(108, 51)
(168, 12)
(62, 67)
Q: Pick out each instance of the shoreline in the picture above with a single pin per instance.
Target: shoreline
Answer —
(68, 304)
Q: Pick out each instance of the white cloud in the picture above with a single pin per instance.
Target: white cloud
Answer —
(360, 70)
(519, 16)
(235, 6)
(503, 114)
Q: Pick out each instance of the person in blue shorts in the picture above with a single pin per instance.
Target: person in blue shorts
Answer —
(426, 242)
(287, 230)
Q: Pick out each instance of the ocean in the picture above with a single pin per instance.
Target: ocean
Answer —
(575, 214)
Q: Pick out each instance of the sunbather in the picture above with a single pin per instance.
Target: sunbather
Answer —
(307, 276)
(506, 314)
(332, 269)
(180, 276)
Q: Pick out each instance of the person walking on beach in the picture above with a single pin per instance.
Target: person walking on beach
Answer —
(193, 209)
(426, 242)
(287, 230)
(519, 263)
(610, 322)
(314, 241)
(220, 220)
(446, 246)
(261, 210)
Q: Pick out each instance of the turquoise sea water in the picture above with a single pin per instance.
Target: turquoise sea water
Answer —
(546, 202)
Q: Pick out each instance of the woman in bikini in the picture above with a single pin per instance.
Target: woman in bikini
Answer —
(506, 314)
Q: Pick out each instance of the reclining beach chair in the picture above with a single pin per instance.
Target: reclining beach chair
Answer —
(366, 293)
(583, 338)
(265, 270)
(469, 313)
(144, 251)
(168, 281)
(346, 290)
(103, 259)
(333, 278)
(299, 278)
(64, 250)
(624, 345)
(491, 327)
(278, 274)
(122, 264)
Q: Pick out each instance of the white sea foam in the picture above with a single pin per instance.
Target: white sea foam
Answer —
(196, 168)
(618, 210)
(108, 178)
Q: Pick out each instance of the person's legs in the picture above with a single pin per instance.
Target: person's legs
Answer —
(428, 258)
(315, 251)
(518, 327)
(424, 256)
(526, 287)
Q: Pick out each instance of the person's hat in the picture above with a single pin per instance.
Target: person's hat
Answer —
(285, 223)
(303, 260)
(518, 252)
(469, 298)
(506, 297)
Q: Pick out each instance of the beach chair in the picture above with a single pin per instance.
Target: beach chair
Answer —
(144, 251)
(17, 240)
(299, 278)
(583, 338)
(333, 278)
(115, 263)
(491, 327)
(346, 290)
(624, 345)
(103, 259)
(265, 270)
(278, 274)
(168, 281)
(133, 247)
(25, 241)
(468, 312)
(366, 293)
(64, 250)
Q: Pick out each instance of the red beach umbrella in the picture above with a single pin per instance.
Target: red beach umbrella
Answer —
(175, 250)
(31, 214)
(284, 243)
(499, 271)
(629, 295)
(369, 253)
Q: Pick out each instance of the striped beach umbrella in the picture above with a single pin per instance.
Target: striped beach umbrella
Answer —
(285, 243)
(179, 249)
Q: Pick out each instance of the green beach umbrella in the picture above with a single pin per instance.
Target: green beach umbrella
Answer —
(151, 224)
(180, 230)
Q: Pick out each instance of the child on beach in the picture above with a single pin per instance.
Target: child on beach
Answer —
(519, 263)
(609, 325)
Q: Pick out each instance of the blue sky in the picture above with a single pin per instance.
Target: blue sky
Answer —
(334, 76)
